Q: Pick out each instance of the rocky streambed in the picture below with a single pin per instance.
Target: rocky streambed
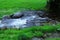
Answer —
(24, 19)
(29, 18)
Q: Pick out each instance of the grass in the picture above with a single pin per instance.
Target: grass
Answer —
(10, 6)
(26, 33)
(7, 4)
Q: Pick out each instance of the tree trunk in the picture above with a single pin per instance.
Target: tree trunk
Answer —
(54, 7)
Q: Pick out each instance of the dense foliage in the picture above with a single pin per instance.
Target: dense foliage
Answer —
(26, 33)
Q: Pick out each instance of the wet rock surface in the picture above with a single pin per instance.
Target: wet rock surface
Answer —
(24, 19)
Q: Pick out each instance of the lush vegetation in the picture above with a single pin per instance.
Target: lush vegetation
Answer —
(26, 33)
(10, 6)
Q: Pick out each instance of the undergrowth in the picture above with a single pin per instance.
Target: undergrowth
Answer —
(26, 33)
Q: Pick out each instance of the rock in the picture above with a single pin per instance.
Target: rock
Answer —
(56, 35)
(5, 17)
(37, 38)
(17, 15)
(41, 13)
(53, 22)
(53, 35)
(29, 13)
(1, 25)
(42, 20)
(0, 21)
